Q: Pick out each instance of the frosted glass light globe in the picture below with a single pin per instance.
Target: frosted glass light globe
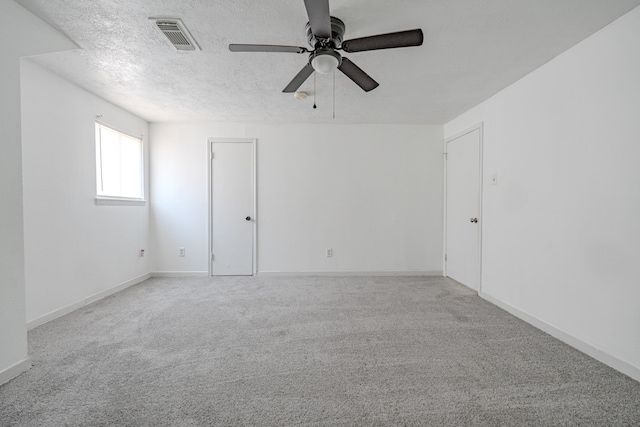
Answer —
(324, 64)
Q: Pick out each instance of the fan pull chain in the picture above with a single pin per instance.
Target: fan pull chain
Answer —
(314, 91)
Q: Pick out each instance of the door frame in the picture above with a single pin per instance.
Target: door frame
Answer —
(254, 214)
(480, 127)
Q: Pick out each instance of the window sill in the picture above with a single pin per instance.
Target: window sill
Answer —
(117, 201)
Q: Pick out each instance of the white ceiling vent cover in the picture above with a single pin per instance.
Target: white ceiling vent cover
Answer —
(176, 32)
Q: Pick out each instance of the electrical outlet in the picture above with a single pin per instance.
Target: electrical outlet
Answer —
(181, 251)
(329, 252)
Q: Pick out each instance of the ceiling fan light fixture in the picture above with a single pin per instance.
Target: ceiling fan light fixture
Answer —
(325, 62)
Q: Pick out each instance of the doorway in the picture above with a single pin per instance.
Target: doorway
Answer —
(463, 208)
(232, 207)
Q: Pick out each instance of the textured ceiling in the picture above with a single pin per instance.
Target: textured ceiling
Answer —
(472, 50)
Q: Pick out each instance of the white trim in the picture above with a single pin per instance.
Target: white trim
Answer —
(590, 350)
(13, 371)
(86, 301)
(480, 204)
(444, 208)
(480, 127)
(232, 140)
(252, 141)
(464, 132)
(255, 207)
(417, 273)
(209, 208)
(117, 201)
(180, 274)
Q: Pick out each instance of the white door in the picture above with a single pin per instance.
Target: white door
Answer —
(232, 208)
(463, 209)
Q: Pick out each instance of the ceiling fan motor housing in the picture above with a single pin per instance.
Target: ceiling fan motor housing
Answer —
(337, 33)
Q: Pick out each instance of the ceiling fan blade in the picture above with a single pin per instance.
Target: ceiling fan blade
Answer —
(385, 41)
(300, 78)
(319, 18)
(266, 48)
(356, 74)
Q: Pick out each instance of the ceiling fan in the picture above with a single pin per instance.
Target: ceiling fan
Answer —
(324, 34)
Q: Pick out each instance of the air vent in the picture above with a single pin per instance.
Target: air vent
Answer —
(176, 32)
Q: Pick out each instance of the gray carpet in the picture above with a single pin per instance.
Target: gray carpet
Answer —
(307, 351)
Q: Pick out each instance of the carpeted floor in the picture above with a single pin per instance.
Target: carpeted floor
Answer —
(307, 351)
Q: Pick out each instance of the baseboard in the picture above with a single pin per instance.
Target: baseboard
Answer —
(351, 273)
(86, 301)
(180, 274)
(13, 371)
(600, 355)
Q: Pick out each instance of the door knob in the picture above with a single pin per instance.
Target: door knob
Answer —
(248, 218)
(474, 220)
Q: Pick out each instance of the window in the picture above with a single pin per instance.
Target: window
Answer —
(119, 165)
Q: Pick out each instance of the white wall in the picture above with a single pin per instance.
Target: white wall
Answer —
(74, 249)
(373, 193)
(562, 227)
(22, 34)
